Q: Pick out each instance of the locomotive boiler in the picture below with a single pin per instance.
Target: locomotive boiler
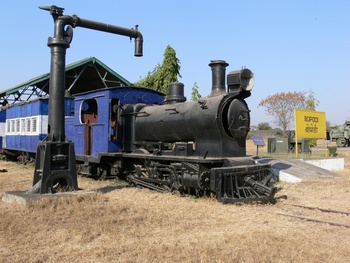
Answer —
(218, 124)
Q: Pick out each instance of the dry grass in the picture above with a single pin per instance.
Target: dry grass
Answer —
(122, 224)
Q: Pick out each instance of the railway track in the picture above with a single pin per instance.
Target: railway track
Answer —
(300, 212)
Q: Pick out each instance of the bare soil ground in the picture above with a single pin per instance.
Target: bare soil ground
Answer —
(125, 224)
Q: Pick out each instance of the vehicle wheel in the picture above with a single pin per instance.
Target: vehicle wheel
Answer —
(299, 149)
(341, 142)
(291, 148)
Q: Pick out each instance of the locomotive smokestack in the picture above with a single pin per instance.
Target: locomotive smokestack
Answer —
(218, 69)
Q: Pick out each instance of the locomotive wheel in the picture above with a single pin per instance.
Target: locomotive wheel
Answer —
(102, 172)
(291, 148)
(341, 142)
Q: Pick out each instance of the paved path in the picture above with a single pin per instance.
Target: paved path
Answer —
(297, 170)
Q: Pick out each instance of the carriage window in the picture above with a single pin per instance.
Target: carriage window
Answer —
(89, 111)
(18, 122)
(12, 125)
(28, 125)
(34, 123)
(23, 125)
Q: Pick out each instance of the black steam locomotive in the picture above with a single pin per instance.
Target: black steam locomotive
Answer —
(196, 147)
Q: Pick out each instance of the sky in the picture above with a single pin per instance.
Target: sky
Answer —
(290, 45)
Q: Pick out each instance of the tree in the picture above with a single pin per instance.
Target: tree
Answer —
(253, 128)
(264, 126)
(163, 74)
(282, 105)
(311, 104)
(195, 92)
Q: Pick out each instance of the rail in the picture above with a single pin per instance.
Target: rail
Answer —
(316, 220)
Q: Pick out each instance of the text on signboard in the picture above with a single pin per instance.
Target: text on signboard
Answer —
(310, 119)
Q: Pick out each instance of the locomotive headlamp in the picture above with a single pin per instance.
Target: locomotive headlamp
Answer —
(240, 80)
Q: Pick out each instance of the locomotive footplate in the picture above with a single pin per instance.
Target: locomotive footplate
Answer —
(242, 184)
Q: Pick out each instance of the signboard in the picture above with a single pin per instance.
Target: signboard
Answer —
(310, 124)
(258, 140)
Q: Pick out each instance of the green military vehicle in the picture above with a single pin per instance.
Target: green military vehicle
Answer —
(340, 134)
(286, 143)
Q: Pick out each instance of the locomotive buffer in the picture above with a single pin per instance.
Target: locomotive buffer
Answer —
(55, 166)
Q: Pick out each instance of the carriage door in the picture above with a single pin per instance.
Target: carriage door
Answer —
(88, 117)
(114, 120)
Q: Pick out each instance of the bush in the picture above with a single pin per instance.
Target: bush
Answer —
(313, 142)
(332, 150)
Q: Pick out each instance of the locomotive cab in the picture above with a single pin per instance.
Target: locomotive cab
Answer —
(97, 127)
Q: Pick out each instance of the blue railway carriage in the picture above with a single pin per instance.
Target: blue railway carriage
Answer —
(92, 121)
(26, 124)
(96, 127)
